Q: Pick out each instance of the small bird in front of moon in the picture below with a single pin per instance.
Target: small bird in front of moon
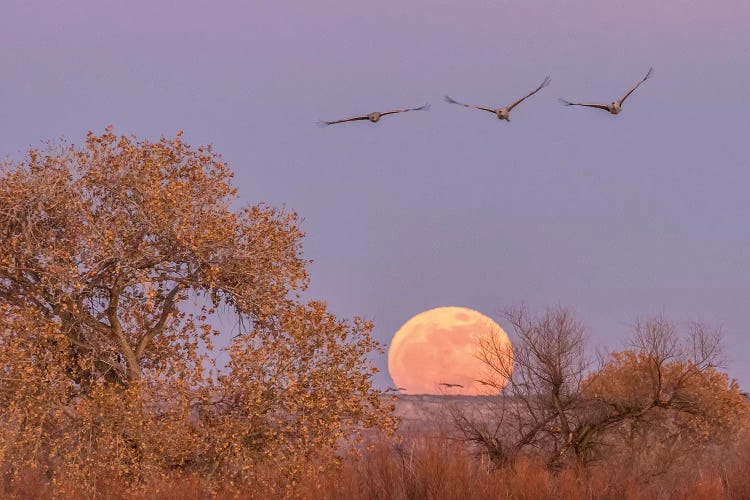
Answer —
(502, 113)
(439, 350)
(445, 384)
(616, 106)
(375, 116)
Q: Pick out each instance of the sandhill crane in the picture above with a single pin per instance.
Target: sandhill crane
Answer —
(451, 385)
(374, 117)
(616, 106)
(502, 113)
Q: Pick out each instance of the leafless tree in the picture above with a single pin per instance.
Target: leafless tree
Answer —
(561, 406)
(541, 380)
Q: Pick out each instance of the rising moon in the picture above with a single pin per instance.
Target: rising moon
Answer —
(435, 352)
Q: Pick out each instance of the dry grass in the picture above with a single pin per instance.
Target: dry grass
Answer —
(424, 467)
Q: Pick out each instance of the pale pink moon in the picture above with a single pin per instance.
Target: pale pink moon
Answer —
(436, 351)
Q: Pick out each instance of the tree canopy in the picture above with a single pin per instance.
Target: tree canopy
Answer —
(115, 256)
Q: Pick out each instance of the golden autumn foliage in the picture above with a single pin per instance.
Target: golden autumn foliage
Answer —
(114, 258)
(706, 399)
(662, 412)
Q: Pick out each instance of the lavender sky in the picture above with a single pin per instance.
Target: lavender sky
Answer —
(619, 217)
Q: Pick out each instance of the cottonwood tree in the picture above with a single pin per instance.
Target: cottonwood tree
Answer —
(113, 258)
(541, 383)
(294, 390)
(662, 399)
(561, 406)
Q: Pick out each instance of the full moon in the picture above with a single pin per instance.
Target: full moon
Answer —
(435, 352)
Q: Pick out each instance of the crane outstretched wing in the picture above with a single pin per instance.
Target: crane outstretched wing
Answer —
(453, 101)
(424, 107)
(648, 75)
(588, 105)
(546, 82)
(323, 123)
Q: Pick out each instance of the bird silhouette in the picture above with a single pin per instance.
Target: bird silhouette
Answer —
(451, 385)
(374, 117)
(615, 106)
(502, 113)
